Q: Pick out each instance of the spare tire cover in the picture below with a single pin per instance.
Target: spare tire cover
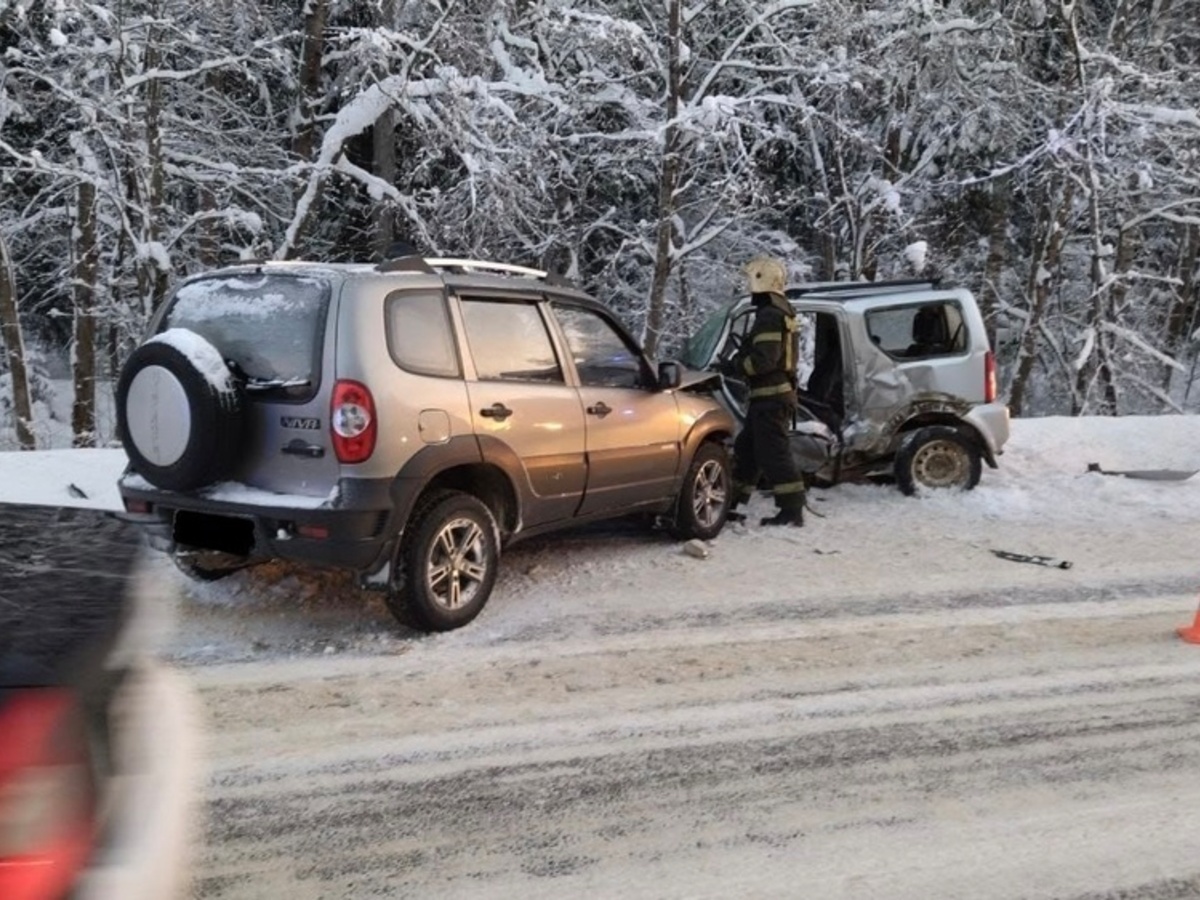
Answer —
(180, 413)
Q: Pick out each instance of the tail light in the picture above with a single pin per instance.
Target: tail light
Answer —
(47, 826)
(989, 378)
(352, 419)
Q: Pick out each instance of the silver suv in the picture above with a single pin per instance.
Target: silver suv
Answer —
(405, 421)
(897, 380)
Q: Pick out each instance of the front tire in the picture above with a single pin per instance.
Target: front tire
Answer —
(703, 504)
(937, 457)
(446, 564)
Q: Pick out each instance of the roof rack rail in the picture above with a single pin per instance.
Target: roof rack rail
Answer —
(477, 265)
(430, 265)
(882, 287)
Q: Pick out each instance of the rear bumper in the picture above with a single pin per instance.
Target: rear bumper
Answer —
(991, 421)
(354, 534)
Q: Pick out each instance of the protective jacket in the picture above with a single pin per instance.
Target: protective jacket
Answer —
(769, 353)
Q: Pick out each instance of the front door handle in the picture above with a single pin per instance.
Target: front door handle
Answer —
(497, 411)
(601, 409)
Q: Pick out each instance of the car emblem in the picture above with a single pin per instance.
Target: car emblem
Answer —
(302, 423)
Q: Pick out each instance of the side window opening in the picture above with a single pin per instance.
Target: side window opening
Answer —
(509, 341)
(825, 379)
(918, 332)
(419, 336)
(602, 356)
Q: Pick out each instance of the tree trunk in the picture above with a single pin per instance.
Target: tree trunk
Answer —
(304, 143)
(83, 409)
(14, 352)
(1046, 258)
(1183, 307)
(157, 277)
(997, 255)
(384, 152)
(667, 185)
(315, 16)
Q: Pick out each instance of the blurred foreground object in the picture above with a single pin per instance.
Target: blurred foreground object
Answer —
(96, 738)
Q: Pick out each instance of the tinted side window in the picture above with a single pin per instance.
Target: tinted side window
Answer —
(509, 342)
(918, 332)
(602, 357)
(419, 335)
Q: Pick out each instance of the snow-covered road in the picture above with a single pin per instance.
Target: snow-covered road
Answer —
(872, 706)
(998, 743)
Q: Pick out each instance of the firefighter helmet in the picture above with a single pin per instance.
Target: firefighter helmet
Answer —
(766, 274)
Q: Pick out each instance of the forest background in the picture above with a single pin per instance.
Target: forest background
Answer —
(1043, 153)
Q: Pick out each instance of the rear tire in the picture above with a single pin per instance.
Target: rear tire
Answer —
(936, 458)
(446, 564)
(704, 498)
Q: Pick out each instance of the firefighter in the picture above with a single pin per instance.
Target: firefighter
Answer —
(766, 361)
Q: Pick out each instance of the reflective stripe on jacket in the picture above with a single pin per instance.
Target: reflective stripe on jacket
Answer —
(769, 354)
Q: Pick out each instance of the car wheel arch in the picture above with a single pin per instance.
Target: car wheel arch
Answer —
(927, 418)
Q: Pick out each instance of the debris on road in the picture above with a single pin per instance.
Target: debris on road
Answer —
(1146, 474)
(1048, 561)
(696, 548)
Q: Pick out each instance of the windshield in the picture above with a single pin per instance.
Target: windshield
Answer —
(271, 327)
(700, 347)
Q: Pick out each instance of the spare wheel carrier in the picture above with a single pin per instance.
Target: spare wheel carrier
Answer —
(180, 414)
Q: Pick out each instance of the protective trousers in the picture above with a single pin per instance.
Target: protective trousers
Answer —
(762, 449)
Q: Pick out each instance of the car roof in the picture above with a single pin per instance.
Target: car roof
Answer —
(455, 273)
(860, 296)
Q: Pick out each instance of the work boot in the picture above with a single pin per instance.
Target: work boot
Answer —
(786, 517)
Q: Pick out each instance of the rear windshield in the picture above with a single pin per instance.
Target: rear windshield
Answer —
(271, 327)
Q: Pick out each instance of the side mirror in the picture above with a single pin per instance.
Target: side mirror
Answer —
(670, 375)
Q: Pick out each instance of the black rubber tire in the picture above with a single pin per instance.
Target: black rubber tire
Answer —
(937, 457)
(214, 565)
(705, 495)
(413, 597)
(216, 421)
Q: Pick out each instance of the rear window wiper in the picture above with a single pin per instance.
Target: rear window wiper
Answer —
(271, 384)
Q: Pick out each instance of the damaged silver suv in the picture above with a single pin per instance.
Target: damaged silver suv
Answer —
(405, 421)
(897, 381)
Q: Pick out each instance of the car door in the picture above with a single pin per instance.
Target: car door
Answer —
(526, 416)
(633, 427)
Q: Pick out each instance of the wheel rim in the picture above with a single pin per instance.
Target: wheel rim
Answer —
(709, 493)
(941, 464)
(458, 564)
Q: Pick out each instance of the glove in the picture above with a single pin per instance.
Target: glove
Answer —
(728, 367)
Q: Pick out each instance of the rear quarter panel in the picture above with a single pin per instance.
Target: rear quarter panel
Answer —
(404, 401)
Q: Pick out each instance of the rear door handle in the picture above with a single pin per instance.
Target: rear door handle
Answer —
(300, 448)
(497, 411)
(601, 409)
